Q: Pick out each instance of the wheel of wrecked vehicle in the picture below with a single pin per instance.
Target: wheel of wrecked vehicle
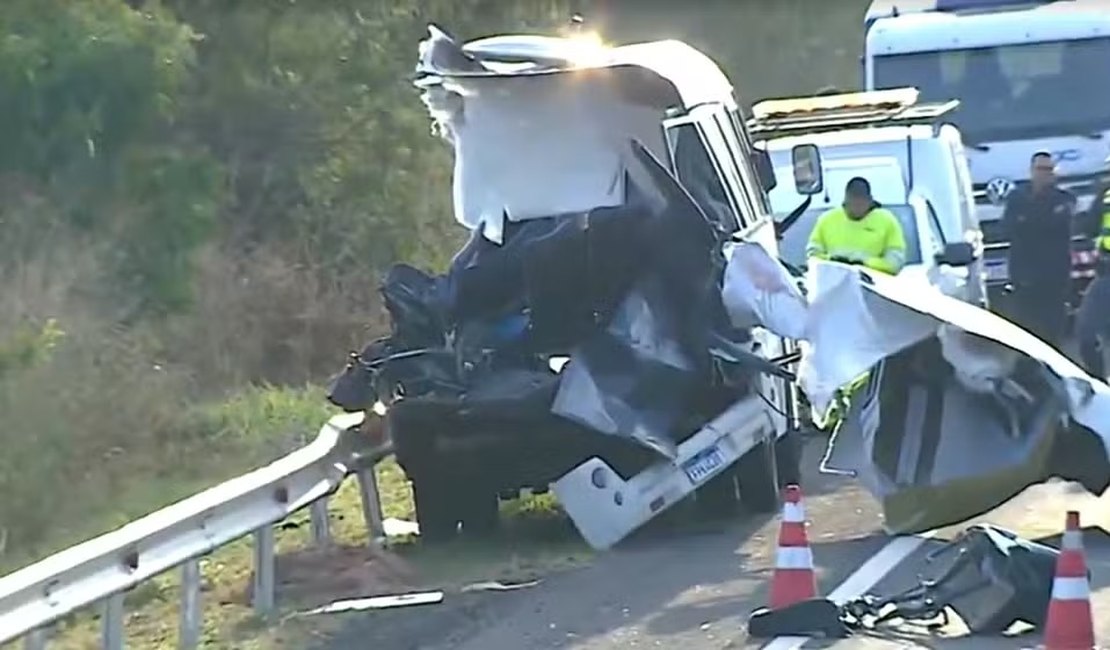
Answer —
(788, 458)
(757, 475)
(717, 498)
(479, 511)
(445, 502)
(436, 504)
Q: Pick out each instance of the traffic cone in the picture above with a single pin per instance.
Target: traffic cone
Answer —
(793, 579)
(1069, 625)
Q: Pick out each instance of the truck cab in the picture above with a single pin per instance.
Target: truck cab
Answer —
(1028, 75)
(914, 162)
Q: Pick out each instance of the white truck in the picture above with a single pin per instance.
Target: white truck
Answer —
(563, 348)
(1029, 77)
(913, 160)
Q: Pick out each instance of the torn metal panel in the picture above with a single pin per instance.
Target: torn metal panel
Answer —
(963, 409)
(759, 291)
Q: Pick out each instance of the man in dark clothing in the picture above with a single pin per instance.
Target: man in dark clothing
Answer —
(1038, 220)
(1092, 323)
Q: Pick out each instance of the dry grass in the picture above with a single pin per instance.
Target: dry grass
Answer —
(537, 543)
(111, 423)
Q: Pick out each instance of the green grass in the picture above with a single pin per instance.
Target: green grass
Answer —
(537, 540)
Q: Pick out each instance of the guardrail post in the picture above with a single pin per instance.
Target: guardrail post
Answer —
(35, 640)
(371, 504)
(111, 630)
(321, 526)
(190, 605)
(264, 570)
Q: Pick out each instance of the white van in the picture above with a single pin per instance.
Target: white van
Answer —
(914, 162)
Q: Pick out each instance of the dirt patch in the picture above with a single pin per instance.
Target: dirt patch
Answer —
(312, 577)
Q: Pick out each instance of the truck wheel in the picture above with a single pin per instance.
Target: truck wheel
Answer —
(479, 509)
(788, 458)
(717, 498)
(436, 508)
(757, 475)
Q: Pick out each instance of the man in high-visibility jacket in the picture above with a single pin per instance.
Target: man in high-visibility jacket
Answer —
(859, 232)
(1092, 323)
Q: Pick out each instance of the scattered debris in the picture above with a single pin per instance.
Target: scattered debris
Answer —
(379, 602)
(393, 527)
(499, 586)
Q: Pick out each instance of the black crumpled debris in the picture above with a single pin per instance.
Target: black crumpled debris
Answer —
(993, 579)
(990, 577)
(630, 295)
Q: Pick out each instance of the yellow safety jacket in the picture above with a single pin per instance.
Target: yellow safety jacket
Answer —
(876, 240)
(1102, 242)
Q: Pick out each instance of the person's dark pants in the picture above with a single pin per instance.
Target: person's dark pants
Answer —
(1092, 323)
(1041, 308)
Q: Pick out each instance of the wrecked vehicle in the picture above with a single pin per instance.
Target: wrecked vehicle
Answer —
(579, 339)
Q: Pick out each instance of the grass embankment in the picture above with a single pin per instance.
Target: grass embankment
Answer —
(251, 426)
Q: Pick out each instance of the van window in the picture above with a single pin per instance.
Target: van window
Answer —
(723, 136)
(749, 187)
(763, 203)
(697, 172)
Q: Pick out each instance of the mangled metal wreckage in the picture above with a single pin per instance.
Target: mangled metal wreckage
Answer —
(961, 409)
(614, 329)
(582, 326)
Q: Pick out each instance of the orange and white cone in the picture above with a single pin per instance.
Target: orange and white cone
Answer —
(793, 579)
(1069, 625)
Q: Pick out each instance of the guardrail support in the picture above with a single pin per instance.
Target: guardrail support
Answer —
(191, 617)
(371, 504)
(111, 637)
(321, 526)
(264, 570)
(35, 640)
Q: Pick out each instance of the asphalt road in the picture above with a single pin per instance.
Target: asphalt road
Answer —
(694, 590)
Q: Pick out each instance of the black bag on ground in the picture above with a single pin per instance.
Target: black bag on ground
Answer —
(816, 617)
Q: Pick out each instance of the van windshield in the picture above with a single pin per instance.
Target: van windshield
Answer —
(793, 244)
(1013, 91)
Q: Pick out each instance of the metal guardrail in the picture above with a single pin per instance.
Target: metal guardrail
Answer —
(103, 569)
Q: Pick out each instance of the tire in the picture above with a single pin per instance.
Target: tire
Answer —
(757, 475)
(788, 458)
(717, 498)
(480, 511)
(435, 509)
(444, 502)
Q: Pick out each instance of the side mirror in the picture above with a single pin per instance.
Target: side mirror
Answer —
(956, 254)
(764, 169)
(808, 179)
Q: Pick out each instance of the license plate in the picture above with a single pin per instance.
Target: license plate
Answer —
(703, 464)
(998, 271)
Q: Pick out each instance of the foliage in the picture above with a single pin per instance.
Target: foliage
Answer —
(201, 195)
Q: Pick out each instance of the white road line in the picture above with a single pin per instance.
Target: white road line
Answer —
(867, 576)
